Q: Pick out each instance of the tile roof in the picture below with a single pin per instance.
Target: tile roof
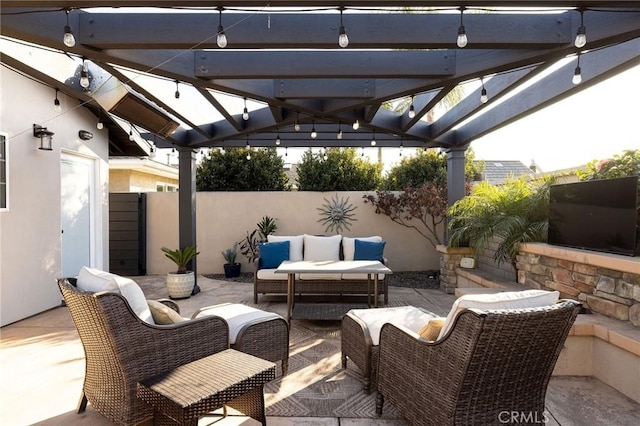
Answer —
(498, 171)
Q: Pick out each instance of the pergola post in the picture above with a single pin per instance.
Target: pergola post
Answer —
(455, 176)
(187, 205)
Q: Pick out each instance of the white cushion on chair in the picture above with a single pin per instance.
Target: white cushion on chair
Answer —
(295, 245)
(322, 248)
(409, 317)
(349, 245)
(269, 274)
(506, 300)
(236, 315)
(95, 280)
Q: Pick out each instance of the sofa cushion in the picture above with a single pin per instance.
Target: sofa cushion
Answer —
(369, 250)
(236, 315)
(348, 245)
(505, 300)
(408, 317)
(295, 245)
(269, 274)
(322, 248)
(431, 329)
(164, 315)
(273, 254)
(95, 280)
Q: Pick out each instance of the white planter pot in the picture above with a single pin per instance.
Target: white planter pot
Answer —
(180, 286)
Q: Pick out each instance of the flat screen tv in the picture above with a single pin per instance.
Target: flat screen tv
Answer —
(599, 215)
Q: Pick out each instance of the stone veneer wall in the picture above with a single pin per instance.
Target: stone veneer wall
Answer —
(485, 262)
(605, 283)
(449, 261)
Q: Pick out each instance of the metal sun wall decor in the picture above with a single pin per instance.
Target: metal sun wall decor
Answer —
(337, 214)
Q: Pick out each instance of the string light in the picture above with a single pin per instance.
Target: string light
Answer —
(221, 39)
(483, 93)
(84, 75)
(177, 94)
(245, 111)
(325, 153)
(577, 73)
(286, 151)
(362, 152)
(248, 147)
(401, 146)
(373, 138)
(131, 134)
(222, 148)
(296, 125)
(581, 35)
(340, 135)
(99, 124)
(68, 39)
(356, 125)
(412, 111)
(278, 138)
(314, 134)
(56, 103)
(462, 33)
(343, 40)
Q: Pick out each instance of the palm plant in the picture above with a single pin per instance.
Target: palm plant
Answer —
(513, 213)
(181, 257)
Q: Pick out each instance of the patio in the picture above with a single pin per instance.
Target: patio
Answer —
(42, 365)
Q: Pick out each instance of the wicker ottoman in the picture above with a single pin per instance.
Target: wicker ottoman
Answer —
(361, 333)
(254, 331)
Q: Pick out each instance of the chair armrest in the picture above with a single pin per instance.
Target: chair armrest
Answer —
(256, 265)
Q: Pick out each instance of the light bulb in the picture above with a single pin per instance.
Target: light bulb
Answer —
(286, 151)
(278, 139)
(581, 37)
(356, 125)
(462, 37)
(99, 124)
(577, 76)
(340, 135)
(68, 39)
(130, 135)
(177, 94)
(412, 111)
(373, 139)
(248, 146)
(324, 157)
(483, 96)
(343, 40)
(84, 79)
(296, 127)
(56, 103)
(245, 114)
(221, 40)
(314, 134)
(249, 156)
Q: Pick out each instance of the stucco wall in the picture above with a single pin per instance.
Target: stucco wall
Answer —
(30, 242)
(225, 217)
(135, 181)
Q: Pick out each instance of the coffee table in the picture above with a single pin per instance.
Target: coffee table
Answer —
(369, 267)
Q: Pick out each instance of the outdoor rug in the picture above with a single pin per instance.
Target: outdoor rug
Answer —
(316, 385)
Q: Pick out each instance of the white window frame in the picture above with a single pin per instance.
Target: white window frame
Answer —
(5, 136)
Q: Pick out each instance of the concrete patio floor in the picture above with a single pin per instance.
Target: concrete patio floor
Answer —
(42, 369)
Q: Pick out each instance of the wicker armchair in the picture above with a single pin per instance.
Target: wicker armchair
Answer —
(121, 349)
(490, 365)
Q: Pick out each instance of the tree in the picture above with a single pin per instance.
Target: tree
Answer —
(626, 164)
(513, 213)
(422, 208)
(338, 169)
(232, 171)
(429, 166)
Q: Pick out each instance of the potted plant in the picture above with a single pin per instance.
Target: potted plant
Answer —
(231, 267)
(180, 283)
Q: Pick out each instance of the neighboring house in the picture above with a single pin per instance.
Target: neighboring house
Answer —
(496, 172)
(141, 174)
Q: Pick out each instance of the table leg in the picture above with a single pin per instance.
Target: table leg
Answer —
(290, 278)
(369, 289)
(375, 290)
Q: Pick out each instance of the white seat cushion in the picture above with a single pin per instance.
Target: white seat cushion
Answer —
(236, 315)
(409, 317)
(95, 280)
(295, 244)
(506, 300)
(314, 276)
(269, 274)
(322, 248)
(349, 247)
(360, 276)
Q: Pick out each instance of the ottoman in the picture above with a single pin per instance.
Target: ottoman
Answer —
(254, 331)
(361, 333)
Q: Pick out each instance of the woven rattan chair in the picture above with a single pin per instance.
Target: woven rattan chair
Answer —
(490, 365)
(121, 349)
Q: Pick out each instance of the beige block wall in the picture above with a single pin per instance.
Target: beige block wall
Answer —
(135, 181)
(224, 217)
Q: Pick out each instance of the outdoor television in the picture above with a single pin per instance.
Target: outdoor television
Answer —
(599, 215)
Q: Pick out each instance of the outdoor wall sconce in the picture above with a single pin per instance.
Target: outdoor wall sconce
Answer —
(85, 135)
(45, 136)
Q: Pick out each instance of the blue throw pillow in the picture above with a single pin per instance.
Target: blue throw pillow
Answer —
(368, 250)
(273, 254)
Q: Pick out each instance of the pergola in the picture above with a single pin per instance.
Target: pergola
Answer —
(285, 55)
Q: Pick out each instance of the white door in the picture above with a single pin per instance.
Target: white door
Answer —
(78, 211)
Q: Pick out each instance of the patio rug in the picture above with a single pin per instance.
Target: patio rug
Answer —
(316, 385)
